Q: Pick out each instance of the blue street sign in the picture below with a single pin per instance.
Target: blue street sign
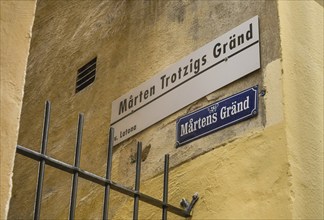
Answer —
(221, 114)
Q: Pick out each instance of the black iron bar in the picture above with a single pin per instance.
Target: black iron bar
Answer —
(137, 180)
(77, 170)
(157, 203)
(41, 168)
(108, 174)
(98, 179)
(165, 187)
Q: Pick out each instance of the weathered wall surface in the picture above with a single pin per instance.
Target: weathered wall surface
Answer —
(302, 58)
(245, 179)
(16, 22)
(242, 171)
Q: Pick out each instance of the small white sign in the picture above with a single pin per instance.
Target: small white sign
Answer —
(218, 63)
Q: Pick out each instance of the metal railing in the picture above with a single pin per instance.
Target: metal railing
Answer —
(106, 182)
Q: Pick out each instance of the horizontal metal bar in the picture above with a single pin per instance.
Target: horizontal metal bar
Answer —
(85, 75)
(99, 180)
(86, 81)
(160, 204)
(88, 65)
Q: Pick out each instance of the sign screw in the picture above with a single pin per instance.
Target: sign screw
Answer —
(263, 92)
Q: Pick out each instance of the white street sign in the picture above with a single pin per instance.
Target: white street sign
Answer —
(216, 64)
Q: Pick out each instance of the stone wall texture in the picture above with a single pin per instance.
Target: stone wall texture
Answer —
(243, 171)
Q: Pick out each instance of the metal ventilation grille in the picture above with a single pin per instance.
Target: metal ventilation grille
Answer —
(86, 75)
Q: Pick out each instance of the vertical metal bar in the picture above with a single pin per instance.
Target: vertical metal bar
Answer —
(76, 165)
(108, 173)
(165, 187)
(41, 168)
(137, 179)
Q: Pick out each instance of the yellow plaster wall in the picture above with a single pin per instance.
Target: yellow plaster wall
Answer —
(253, 176)
(137, 40)
(244, 179)
(16, 22)
(301, 24)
